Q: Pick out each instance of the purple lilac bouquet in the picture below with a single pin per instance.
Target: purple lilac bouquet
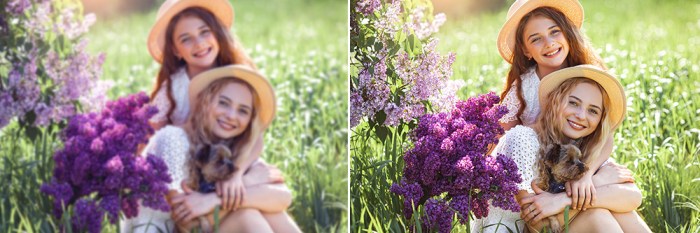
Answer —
(98, 171)
(449, 158)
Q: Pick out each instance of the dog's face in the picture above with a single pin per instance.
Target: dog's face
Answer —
(218, 164)
(570, 167)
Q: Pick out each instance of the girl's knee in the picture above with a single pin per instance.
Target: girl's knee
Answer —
(245, 220)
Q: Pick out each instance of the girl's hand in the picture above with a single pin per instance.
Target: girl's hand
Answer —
(231, 191)
(261, 173)
(542, 205)
(613, 173)
(191, 205)
(582, 192)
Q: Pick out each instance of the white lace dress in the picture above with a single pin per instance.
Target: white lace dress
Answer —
(520, 143)
(531, 83)
(181, 84)
(171, 144)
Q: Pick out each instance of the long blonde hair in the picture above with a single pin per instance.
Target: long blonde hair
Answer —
(550, 122)
(200, 135)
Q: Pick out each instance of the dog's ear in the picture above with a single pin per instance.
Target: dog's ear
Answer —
(221, 151)
(202, 155)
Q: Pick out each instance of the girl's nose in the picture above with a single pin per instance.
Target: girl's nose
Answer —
(580, 113)
(550, 41)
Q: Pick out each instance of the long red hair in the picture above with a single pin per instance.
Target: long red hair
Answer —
(580, 51)
(230, 51)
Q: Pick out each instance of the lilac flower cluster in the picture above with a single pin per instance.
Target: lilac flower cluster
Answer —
(367, 7)
(448, 157)
(17, 7)
(47, 77)
(98, 170)
(399, 84)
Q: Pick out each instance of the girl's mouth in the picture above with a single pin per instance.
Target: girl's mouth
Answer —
(552, 53)
(575, 125)
(202, 53)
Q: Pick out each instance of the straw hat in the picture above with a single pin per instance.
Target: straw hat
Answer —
(221, 9)
(266, 95)
(618, 103)
(572, 9)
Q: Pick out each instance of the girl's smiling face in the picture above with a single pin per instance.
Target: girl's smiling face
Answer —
(582, 111)
(231, 112)
(195, 43)
(545, 42)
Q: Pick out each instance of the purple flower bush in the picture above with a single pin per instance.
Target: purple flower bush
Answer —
(399, 70)
(447, 170)
(97, 171)
(46, 75)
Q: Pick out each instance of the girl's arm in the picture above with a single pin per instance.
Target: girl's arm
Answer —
(614, 197)
(157, 124)
(583, 191)
(510, 124)
(513, 104)
(232, 191)
(266, 198)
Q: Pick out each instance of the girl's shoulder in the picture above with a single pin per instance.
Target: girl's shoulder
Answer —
(171, 133)
(180, 74)
(529, 74)
(521, 133)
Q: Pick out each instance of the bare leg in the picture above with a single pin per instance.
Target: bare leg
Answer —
(631, 222)
(595, 220)
(245, 220)
(281, 222)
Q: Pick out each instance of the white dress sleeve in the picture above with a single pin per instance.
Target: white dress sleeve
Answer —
(172, 145)
(161, 102)
(521, 144)
(512, 103)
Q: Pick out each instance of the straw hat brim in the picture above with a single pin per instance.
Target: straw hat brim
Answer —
(222, 9)
(618, 103)
(572, 9)
(266, 95)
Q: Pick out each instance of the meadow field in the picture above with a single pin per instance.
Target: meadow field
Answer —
(651, 45)
(301, 46)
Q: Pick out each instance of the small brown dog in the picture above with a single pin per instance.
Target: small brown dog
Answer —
(562, 163)
(211, 164)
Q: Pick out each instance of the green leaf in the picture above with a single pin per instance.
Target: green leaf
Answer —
(382, 132)
(32, 132)
(380, 117)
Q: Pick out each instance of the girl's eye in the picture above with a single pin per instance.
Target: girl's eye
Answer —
(535, 40)
(556, 32)
(573, 103)
(185, 40)
(243, 111)
(206, 32)
(593, 111)
(223, 103)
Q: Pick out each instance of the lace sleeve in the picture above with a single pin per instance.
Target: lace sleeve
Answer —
(172, 145)
(161, 102)
(520, 144)
(513, 104)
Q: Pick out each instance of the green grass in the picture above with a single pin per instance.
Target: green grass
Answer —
(300, 45)
(651, 46)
